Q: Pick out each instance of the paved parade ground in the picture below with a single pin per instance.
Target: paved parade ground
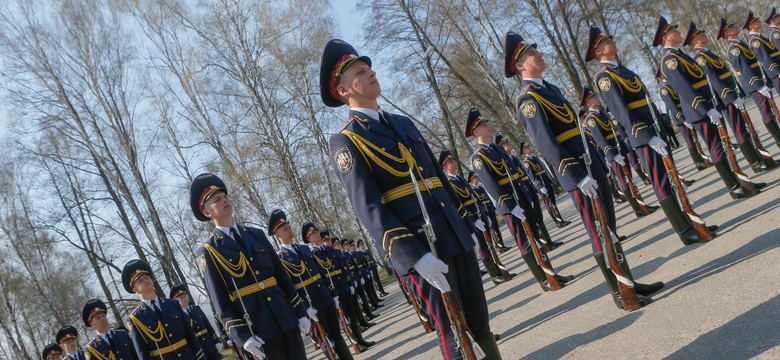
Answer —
(720, 300)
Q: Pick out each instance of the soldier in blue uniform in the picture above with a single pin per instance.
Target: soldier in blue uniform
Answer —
(482, 196)
(251, 292)
(474, 209)
(373, 154)
(68, 338)
(373, 269)
(309, 280)
(51, 352)
(359, 277)
(626, 96)
(108, 343)
(335, 274)
(551, 123)
(362, 314)
(768, 54)
(773, 19)
(690, 81)
(747, 69)
(364, 259)
(615, 150)
(208, 337)
(725, 87)
(503, 180)
(158, 327)
(538, 174)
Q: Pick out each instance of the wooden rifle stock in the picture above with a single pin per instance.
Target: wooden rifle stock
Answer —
(773, 105)
(423, 319)
(322, 339)
(540, 259)
(554, 213)
(768, 160)
(458, 323)
(695, 138)
(744, 181)
(627, 293)
(698, 223)
(634, 191)
(488, 234)
(345, 326)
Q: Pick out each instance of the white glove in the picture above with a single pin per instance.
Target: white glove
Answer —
(543, 191)
(765, 91)
(518, 213)
(230, 343)
(433, 270)
(739, 103)
(688, 125)
(219, 346)
(620, 159)
(476, 243)
(336, 300)
(304, 325)
(714, 116)
(479, 224)
(362, 282)
(312, 313)
(489, 222)
(255, 346)
(588, 186)
(352, 290)
(658, 145)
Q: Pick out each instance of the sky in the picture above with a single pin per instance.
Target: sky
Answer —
(350, 22)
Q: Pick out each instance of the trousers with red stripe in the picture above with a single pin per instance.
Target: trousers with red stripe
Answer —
(711, 136)
(466, 282)
(654, 164)
(583, 204)
(770, 122)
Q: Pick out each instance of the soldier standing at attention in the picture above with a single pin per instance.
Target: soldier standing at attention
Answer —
(251, 292)
(68, 338)
(375, 155)
(158, 327)
(108, 343)
(551, 122)
(209, 339)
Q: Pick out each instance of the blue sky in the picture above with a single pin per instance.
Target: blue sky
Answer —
(349, 21)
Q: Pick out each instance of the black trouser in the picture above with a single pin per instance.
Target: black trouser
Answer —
(654, 164)
(288, 345)
(354, 310)
(709, 132)
(329, 317)
(347, 307)
(466, 283)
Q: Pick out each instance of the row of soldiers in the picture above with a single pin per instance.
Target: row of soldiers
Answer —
(334, 284)
(432, 226)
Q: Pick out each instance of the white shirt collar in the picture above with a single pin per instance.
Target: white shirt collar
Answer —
(595, 111)
(156, 301)
(754, 33)
(226, 229)
(537, 81)
(613, 63)
(288, 246)
(374, 114)
(701, 48)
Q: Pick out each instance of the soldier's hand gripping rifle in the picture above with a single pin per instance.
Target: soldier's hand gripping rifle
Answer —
(604, 234)
(744, 181)
(491, 242)
(696, 221)
(765, 156)
(540, 258)
(627, 175)
(464, 341)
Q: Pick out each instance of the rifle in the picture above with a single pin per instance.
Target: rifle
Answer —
(247, 319)
(625, 285)
(317, 332)
(627, 174)
(488, 234)
(771, 97)
(541, 259)
(697, 144)
(342, 318)
(426, 324)
(551, 208)
(463, 339)
(696, 221)
(744, 181)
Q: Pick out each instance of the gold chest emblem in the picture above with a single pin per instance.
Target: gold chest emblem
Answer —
(671, 64)
(605, 84)
(528, 108)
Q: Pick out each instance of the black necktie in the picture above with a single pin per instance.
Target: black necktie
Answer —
(157, 310)
(237, 237)
(110, 342)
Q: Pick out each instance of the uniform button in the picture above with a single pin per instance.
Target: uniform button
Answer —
(257, 272)
(442, 204)
(421, 168)
(318, 285)
(261, 285)
(251, 259)
(166, 325)
(269, 299)
(170, 335)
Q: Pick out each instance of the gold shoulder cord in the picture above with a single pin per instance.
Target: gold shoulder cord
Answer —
(715, 63)
(326, 264)
(769, 45)
(749, 54)
(293, 269)
(691, 68)
(498, 167)
(369, 151)
(672, 93)
(462, 192)
(155, 335)
(561, 112)
(634, 85)
(237, 271)
(94, 352)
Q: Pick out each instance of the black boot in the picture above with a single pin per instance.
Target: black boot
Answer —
(639, 288)
(536, 271)
(772, 128)
(610, 279)
(732, 182)
(752, 157)
(697, 159)
(489, 347)
(679, 220)
(546, 236)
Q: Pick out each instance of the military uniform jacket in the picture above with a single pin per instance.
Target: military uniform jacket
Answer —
(269, 295)
(168, 338)
(525, 178)
(768, 54)
(482, 196)
(774, 36)
(718, 73)
(373, 163)
(689, 80)
(467, 198)
(79, 355)
(332, 268)
(203, 331)
(552, 124)
(600, 127)
(122, 349)
(494, 165)
(307, 276)
(537, 172)
(672, 102)
(745, 62)
(625, 95)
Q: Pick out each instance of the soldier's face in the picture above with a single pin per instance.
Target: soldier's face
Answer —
(483, 130)
(143, 284)
(326, 241)
(754, 25)
(775, 21)
(593, 102)
(359, 82)
(474, 180)
(731, 32)
(450, 166)
(70, 346)
(284, 233)
(183, 301)
(337, 246)
(507, 147)
(532, 62)
(607, 47)
(314, 238)
(700, 40)
(99, 322)
(218, 206)
(673, 36)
